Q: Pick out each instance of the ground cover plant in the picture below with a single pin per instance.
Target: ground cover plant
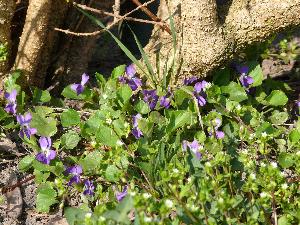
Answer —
(218, 151)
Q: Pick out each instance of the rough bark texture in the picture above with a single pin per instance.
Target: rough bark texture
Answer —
(7, 8)
(207, 40)
(38, 39)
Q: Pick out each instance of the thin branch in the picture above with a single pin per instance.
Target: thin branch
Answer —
(108, 27)
(116, 9)
(6, 189)
(151, 15)
(99, 11)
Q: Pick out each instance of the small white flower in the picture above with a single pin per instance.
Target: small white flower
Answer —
(147, 219)
(274, 164)
(88, 215)
(208, 164)
(126, 124)
(238, 107)
(264, 134)
(252, 136)
(175, 170)
(284, 186)
(132, 193)
(146, 195)
(189, 180)
(298, 153)
(263, 195)
(168, 203)
(119, 143)
(105, 96)
(194, 208)
(262, 164)
(220, 200)
(101, 218)
(108, 121)
(253, 176)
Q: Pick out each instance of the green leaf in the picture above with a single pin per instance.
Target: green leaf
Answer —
(100, 80)
(69, 93)
(112, 173)
(46, 197)
(142, 107)
(286, 160)
(118, 71)
(181, 96)
(106, 136)
(40, 96)
(236, 92)
(40, 177)
(277, 98)
(26, 163)
(283, 220)
(178, 119)
(294, 136)
(257, 74)
(70, 118)
(120, 213)
(46, 126)
(146, 127)
(91, 162)
(70, 140)
(74, 216)
(279, 117)
(124, 94)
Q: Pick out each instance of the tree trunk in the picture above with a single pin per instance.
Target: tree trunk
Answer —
(38, 39)
(7, 8)
(207, 39)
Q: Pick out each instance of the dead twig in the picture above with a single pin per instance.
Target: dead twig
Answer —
(4, 190)
(107, 28)
(151, 15)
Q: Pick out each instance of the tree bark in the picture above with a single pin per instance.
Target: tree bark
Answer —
(37, 40)
(7, 8)
(206, 42)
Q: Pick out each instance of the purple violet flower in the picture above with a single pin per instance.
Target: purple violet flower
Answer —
(134, 83)
(137, 133)
(150, 97)
(129, 78)
(298, 103)
(130, 70)
(193, 146)
(135, 119)
(199, 93)
(79, 88)
(220, 134)
(88, 187)
(47, 154)
(24, 121)
(246, 81)
(122, 79)
(121, 195)
(11, 106)
(243, 70)
(165, 102)
(190, 81)
(76, 171)
(217, 124)
(201, 86)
